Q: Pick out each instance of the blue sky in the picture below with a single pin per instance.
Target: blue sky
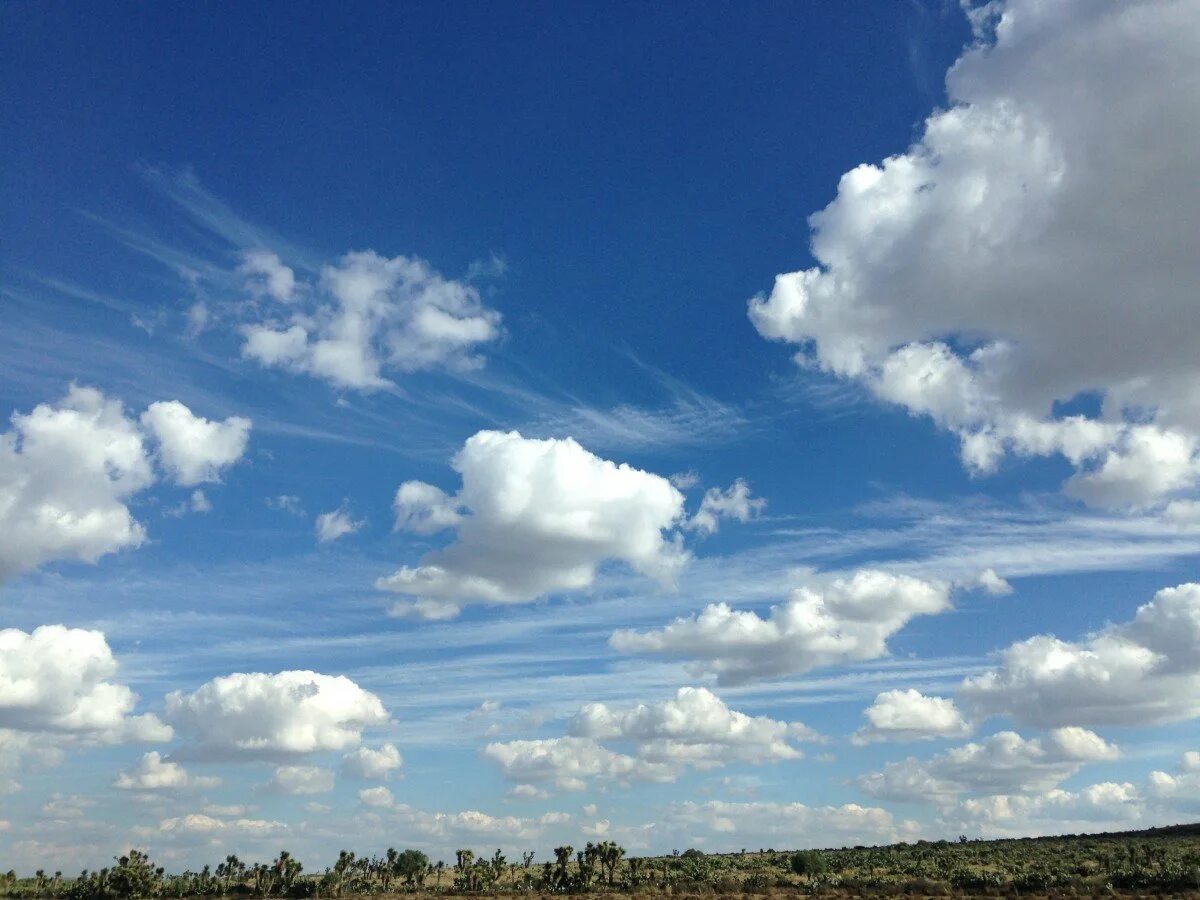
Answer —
(753, 427)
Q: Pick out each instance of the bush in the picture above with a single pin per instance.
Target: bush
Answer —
(809, 862)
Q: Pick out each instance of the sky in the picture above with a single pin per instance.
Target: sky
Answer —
(762, 425)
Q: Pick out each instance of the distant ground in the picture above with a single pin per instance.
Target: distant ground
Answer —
(1156, 861)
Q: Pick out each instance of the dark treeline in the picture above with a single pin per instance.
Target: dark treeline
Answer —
(1157, 861)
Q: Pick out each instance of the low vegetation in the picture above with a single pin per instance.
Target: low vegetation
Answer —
(1158, 861)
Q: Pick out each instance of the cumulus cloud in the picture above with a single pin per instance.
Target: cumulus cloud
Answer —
(695, 728)
(379, 797)
(69, 469)
(366, 762)
(270, 715)
(1003, 763)
(335, 524)
(1178, 791)
(1109, 805)
(541, 516)
(1023, 275)
(202, 824)
(154, 773)
(266, 274)
(1145, 671)
(191, 448)
(300, 780)
(846, 620)
(57, 679)
(908, 715)
(568, 763)
(734, 503)
(366, 315)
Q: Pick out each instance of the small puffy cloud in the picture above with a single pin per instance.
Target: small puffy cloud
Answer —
(1141, 672)
(846, 620)
(300, 780)
(568, 763)
(909, 715)
(425, 509)
(1029, 251)
(266, 273)
(336, 524)
(366, 315)
(541, 516)
(1179, 791)
(270, 715)
(153, 773)
(695, 727)
(1003, 763)
(191, 448)
(57, 679)
(69, 469)
(202, 824)
(379, 797)
(991, 583)
(734, 503)
(372, 763)
(288, 503)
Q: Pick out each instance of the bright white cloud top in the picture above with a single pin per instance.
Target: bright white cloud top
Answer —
(539, 517)
(1032, 249)
(847, 619)
(265, 715)
(365, 316)
(68, 471)
(1140, 672)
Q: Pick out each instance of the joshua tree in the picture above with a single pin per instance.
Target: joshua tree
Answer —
(497, 865)
(610, 855)
(562, 860)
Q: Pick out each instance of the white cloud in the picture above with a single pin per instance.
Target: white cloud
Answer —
(845, 620)
(543, 514)
(694, 728)
(68, 470)
(1142, 672)
(191, 448)
(336, 524)
(567, 763)
(369, 314)
(300, 780)
(56, 679)
(991, 583)
(261, 714)
(366, 762)
(908, 715)
(424, 509)
(377, 796)
(1030, 250)
(288, 503)
(1003, 763)
(153, 773)
(734, 502)
(1109, 805)
(199, 823)
(266, 273)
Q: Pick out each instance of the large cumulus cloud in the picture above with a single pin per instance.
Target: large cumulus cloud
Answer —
(1033, 249)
